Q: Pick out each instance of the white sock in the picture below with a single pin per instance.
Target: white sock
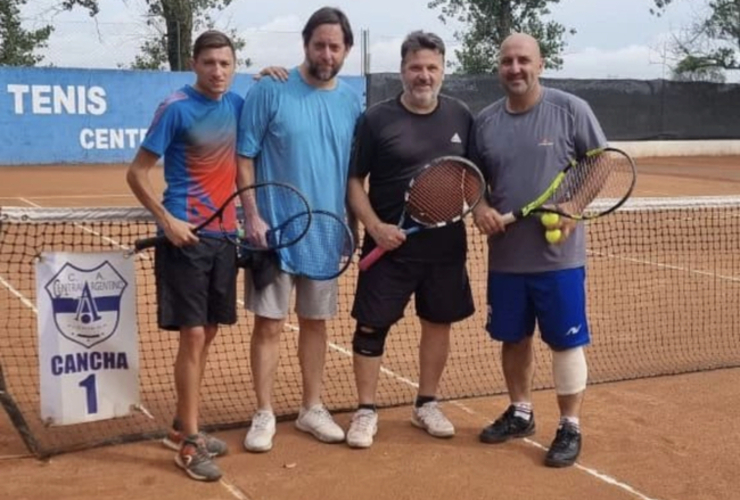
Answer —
(523, 410)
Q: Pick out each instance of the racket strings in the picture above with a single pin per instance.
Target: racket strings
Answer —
(325, 250)
(285, 212)
(442, 193)
(600, 179)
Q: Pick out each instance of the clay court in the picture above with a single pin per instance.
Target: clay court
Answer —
(647, 437)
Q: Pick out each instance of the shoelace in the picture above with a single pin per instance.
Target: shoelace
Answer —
(508, 419)
(364, 421)
(201, 453)
(562, 438)
(430, 412)
(322, 414)
(262, 421)
(206, 437)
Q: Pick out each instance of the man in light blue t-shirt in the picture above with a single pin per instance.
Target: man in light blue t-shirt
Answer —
(299, 132)
(521, 142)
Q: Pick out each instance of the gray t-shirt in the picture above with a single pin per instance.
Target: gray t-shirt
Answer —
(520, 154)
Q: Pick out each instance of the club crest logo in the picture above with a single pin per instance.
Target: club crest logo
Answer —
(86, 302)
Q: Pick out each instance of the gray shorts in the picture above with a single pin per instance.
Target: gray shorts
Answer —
(313, 299)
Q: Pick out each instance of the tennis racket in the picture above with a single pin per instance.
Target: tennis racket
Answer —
(282, 207)
(325, 251)
(587, 189)
(443, 192)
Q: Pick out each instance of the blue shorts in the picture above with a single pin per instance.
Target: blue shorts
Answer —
(555, 300)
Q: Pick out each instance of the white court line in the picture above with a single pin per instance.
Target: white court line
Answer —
(592, 472)
(14, 291)
(235, 491)
(666, 266)
(18, 295)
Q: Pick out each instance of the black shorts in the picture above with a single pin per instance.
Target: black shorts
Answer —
(442, 292)
(196, 284)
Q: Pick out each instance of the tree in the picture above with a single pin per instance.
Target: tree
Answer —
(16, 44)
(709, 46)
(173, 23)
(691, 69)
(489, 22)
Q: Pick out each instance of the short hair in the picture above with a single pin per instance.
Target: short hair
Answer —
(212, 39)
(418, 40)
(328, 15)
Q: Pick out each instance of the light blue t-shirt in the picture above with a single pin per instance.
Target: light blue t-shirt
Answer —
(301, 135)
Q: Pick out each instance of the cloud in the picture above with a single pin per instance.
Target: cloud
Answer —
(639, 62)
(274, 38)
(385, 55)
(276, 43)
(85, 45)
(633, 61)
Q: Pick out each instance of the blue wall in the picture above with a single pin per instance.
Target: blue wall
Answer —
(52, 115)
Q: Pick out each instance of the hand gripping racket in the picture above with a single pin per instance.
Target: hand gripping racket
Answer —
(587, 189)
(443, 192)
(282, 207)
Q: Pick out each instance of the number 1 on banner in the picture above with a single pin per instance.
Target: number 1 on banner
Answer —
(91, 393)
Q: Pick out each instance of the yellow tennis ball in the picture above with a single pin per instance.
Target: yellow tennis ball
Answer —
(550, 220)
(553, 236)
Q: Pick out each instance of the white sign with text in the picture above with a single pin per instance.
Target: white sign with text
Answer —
(88, 338)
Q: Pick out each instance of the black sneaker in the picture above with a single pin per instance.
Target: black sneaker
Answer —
(507, 426)
(565, 448)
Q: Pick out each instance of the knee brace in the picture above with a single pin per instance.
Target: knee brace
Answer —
(369, 341)
(569, 371)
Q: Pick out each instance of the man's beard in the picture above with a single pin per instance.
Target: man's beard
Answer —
(426, 96)
(315, 71)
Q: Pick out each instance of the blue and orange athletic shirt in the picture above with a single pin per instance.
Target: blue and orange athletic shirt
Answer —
(197, 136)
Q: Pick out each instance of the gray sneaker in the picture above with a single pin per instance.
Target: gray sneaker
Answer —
(216, 448)
(196, 461)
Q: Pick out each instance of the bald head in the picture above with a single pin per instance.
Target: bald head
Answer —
(521, 43)
(519, 68)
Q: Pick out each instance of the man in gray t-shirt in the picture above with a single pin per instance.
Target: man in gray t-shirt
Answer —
(521, 142)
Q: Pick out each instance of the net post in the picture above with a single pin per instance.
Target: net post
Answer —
(17, 419)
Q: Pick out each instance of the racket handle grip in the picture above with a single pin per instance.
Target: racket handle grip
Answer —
(508, 218)
(145, 243)
(371, 258)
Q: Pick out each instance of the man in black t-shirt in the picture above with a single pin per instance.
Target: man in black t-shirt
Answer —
(394, 140)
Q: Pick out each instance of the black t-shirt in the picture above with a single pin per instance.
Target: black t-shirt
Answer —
(391, 145)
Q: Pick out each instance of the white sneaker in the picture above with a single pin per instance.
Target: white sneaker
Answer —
(363, 428)
(259, 437)
(318, 421)
(430, 418)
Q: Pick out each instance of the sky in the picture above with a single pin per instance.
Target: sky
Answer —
(614, 38)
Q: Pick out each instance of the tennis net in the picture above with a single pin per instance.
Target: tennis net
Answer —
(663, 298)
